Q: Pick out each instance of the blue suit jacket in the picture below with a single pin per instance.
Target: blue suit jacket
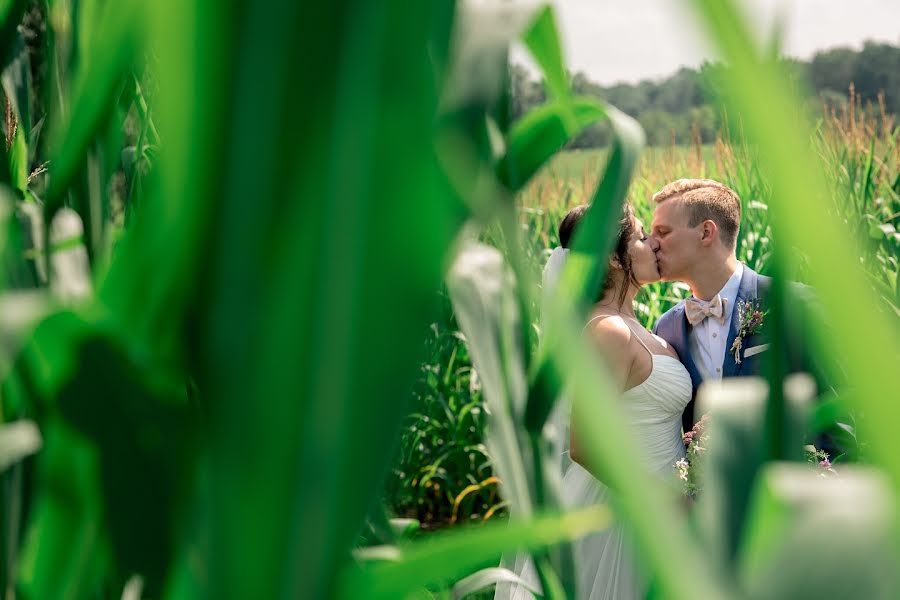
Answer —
(673, 327)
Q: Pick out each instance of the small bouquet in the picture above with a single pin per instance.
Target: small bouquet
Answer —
(821, 459)
(750, 320)
(689, 468)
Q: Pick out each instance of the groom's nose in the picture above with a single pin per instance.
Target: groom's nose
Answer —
(654, 243)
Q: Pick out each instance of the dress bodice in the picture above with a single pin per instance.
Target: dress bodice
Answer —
(653, 409)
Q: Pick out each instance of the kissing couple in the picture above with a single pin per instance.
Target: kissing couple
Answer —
(692, 239)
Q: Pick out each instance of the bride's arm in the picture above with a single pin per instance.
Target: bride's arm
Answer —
(612, 337)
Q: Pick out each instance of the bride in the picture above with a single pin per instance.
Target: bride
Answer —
(655, 390)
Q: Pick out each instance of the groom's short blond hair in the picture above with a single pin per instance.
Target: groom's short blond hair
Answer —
(706, 199)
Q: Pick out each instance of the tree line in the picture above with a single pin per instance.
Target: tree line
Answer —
(682, 108)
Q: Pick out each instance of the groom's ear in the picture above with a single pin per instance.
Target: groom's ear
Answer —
(708, 232)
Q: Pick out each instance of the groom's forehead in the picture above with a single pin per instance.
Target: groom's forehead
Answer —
(669, 212)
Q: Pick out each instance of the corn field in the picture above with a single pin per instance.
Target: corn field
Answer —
(438, 472)
(269, 309)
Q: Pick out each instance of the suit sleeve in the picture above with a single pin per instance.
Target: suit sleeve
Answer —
(658, 323)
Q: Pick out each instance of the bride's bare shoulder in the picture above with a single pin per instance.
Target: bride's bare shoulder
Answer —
(611, 335)
(610, 329)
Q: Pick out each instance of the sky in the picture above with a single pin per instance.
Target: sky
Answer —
(629, 40)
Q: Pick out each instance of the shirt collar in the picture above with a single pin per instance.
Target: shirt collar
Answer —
(731, 287)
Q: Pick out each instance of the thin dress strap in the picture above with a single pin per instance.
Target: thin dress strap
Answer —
(647, 348)
(598, 317)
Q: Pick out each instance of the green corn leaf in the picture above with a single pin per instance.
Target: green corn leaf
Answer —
(96, 88)
(86, 28)
(18, 161)
(454, 554)
(585, 271)
(485, 578)
(480, 45)
(20, 312)
(484, 300)
(480, 286)
(542, 40)
(293, 243)
(16, 80)
(126, 426)
(11, 12)
(799, 512)
(64, 535)
(735, 453)
(541, 133)
(18, 440)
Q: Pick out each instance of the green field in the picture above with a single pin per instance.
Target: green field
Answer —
(431, 479)
(576, 165)
(443, 474)
(269, 309)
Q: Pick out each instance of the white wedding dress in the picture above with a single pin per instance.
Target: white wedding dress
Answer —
(604, 561)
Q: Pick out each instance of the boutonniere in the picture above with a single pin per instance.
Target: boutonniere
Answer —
(750, 319)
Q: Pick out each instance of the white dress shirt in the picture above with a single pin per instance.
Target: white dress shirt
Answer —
(709, 337)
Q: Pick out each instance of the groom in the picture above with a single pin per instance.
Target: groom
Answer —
(695, 223)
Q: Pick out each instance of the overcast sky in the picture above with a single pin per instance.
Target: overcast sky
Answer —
(630, 40)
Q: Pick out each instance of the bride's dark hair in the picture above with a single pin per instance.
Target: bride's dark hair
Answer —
(626, 230)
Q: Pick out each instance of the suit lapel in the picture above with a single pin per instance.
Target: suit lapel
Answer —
(682, 345)
(681, 342)
(746, 291)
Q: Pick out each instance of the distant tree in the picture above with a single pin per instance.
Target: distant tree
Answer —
(660, 127)
(691, 101)
(628, 98)
(679, 93)
(798, 75)
(581, 85)
(832, 70)
(526, 92)
(877, 68)
(595, 136)
(706, 119)
(711, 83)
